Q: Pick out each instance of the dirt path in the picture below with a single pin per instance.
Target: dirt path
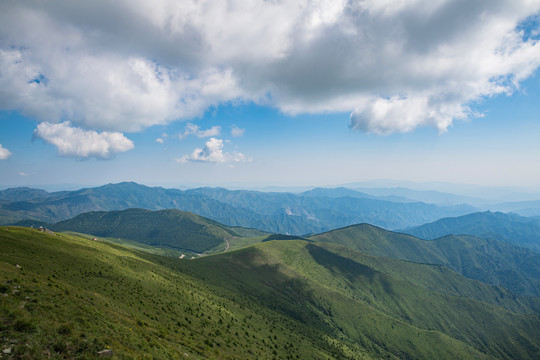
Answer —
(227, 241)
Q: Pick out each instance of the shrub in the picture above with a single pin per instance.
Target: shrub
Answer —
(65, 329)
(24, 326)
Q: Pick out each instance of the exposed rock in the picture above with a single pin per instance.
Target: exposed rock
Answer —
(105, 352)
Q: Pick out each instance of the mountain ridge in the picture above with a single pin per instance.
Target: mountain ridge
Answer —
(172, 228)
(286, 213)
(510, 228)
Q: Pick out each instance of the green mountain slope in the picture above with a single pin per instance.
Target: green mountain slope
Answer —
(367, 308)
(497, 263)
(509, 228)
(170, 228)
(70, 297)
(440, 279)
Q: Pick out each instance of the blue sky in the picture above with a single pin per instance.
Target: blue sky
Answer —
(335, 93)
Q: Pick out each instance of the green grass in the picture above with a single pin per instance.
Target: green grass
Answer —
(163, 251)
(440, 279)
(67, 296)
(72, 297)
(358, 305)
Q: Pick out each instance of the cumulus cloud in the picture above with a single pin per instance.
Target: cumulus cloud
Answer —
(236, 131)
(392, 65)
(192, 129)
(213, 153)
(159, 140)
(78, 143)
(402, 114)
(4, 153)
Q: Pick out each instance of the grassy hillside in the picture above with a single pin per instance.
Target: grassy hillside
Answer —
(440, 279)
(165, 228)
(509, 228)
(65, 296)
(368, 309)
(497, 263)
(69, 297)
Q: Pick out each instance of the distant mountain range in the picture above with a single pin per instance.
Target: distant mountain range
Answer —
(309, 212)
(510, 228)
(524, 208)
(427, 196)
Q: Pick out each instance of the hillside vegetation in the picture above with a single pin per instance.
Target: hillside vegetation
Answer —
(493, 262)
(70, 297)
(165, 228)
(364, 306)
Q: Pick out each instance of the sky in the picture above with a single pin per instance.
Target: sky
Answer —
(269, 93)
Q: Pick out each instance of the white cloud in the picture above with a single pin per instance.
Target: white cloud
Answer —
(4, 153)
(393, 65)
(401, 114)
(192, 129)
(22, 173)
(76, 142)
(159, 140)
(236, 131)
(213, 153)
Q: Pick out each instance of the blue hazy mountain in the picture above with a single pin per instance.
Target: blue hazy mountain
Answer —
(285, 213)
(510, 228)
